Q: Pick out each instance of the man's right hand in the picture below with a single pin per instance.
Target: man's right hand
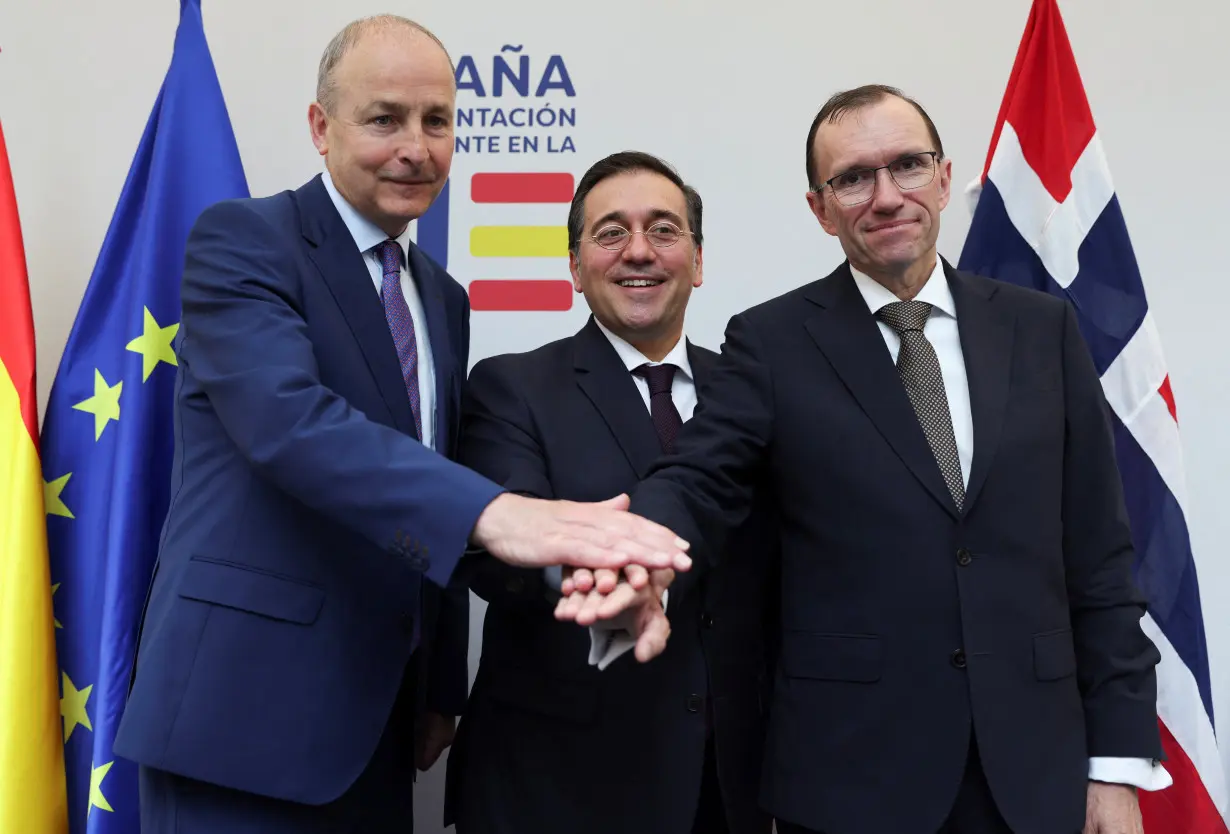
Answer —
(536, 533)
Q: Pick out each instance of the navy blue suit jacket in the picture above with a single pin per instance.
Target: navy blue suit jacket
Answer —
(304, 512)
(908, 625)
(548, 743)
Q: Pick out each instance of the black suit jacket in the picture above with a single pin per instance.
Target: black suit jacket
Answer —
(905, 624)
(549, 743)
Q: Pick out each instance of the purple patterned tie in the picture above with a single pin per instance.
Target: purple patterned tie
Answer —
(666, 417)
(401, 325)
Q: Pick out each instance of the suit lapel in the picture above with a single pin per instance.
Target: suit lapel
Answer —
(341, 265)
(609, 386)
(847, 334)
(702, 362)
(427, 280)
(986, 330)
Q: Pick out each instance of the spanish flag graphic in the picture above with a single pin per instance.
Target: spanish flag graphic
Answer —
(32, 792)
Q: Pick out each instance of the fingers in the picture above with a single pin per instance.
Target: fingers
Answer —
(638, 540)
(581, 579)
(606, 580)
(655, 631)
(603, 580)
(636, 576)
(567, 607)
(662, 579)
(605, 606)
(619, 502)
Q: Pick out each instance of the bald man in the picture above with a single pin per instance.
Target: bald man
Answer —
(303, 650)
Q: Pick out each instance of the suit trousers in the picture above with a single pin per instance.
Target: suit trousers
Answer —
(381, 800)
(974, 811)
(710, 808)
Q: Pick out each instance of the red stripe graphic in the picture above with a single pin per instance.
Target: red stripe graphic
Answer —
(1045, 102)
(1168, 396)
(512, 295)
(16, 317)
(1185, 807)
(521, 188)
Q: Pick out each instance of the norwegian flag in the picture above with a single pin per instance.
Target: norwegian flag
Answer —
(1046, 216)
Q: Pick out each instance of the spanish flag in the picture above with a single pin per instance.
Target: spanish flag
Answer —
(32, 792)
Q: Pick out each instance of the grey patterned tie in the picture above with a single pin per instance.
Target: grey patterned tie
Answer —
(919, 369)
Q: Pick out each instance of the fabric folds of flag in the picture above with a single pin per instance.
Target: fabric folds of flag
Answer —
(1046, 216)
(107, 435)
(31, 758)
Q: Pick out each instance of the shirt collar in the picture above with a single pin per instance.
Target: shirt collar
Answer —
(633, 358)
(935, 292)
(366, 234)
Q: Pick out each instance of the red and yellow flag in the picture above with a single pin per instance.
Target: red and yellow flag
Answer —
(32, 793)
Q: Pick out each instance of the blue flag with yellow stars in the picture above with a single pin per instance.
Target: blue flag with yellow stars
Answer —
(107, 437)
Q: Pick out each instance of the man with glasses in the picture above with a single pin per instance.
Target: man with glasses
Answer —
(550, 742)
(961, 648)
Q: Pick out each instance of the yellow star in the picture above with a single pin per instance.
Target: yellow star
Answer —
(52, 501)
(104, 405)
(154, 345)
(55, 588)
(97, 800)
(72, 707)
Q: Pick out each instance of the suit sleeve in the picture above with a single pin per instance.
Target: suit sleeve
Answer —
(1115, 659)
(499, 441)
(706, 487)
(246, 341)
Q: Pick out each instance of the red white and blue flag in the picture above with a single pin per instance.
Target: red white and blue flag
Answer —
(1046, 216)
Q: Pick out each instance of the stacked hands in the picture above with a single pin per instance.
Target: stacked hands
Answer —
(617, 565)
(632, 599)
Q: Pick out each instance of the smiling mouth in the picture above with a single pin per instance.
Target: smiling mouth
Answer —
(885, 227)
(640, 282)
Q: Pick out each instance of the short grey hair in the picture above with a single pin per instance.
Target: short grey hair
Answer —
(344, 41)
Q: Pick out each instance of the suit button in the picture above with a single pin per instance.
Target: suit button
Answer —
(694, 703)
(958, 658)
(706, 620)
(964, 557)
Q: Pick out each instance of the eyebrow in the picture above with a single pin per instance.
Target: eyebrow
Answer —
(896, 158)
(655, 214)
(397, 108)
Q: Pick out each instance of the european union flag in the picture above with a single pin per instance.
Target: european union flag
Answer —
(107, 436)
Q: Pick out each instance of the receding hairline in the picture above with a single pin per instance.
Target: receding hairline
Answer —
(854, 103)
(351, 35)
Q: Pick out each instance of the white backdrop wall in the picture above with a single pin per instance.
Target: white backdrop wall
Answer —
(725, 91)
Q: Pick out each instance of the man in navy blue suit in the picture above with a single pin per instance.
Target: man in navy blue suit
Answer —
(303, 647)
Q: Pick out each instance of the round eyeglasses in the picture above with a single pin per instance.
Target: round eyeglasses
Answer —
(660, 234)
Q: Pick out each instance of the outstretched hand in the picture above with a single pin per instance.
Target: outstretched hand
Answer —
(536, 533)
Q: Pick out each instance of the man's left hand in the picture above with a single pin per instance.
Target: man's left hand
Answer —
(639, 610)
(434, 734)
(1112, 809)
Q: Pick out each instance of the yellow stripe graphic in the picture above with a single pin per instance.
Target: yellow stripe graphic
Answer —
(31, 741)
(519, 241)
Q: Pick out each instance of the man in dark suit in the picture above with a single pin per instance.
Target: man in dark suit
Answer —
(549, 743)
(290, 644)
(961, 647)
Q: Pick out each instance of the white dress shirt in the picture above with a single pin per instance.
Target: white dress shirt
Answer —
(941, 330)
(366, 237)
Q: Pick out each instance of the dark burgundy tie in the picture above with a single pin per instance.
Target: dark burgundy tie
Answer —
(661, 407)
